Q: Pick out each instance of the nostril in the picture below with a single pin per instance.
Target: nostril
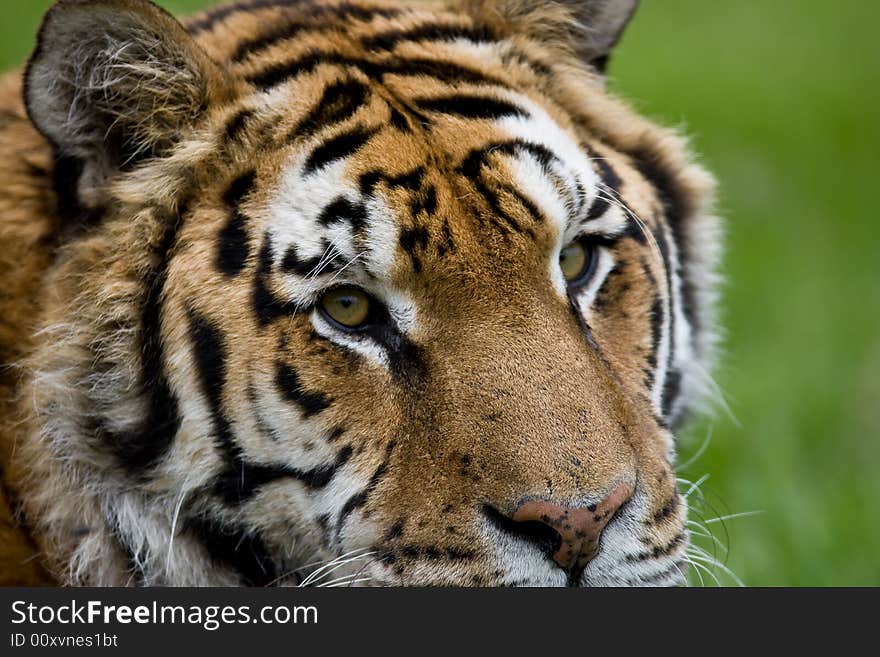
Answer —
(542, 535)
(569, 535)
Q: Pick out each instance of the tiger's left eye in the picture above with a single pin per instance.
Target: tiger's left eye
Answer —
(576, 260)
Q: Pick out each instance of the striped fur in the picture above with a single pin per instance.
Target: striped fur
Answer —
(184, 414)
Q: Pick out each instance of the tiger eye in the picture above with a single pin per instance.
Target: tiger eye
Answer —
(347, 306)
(574, 260)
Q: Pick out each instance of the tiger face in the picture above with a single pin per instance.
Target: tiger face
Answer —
(395, 293)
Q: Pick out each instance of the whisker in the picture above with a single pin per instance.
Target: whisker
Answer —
(169, 557)
(705, 558)
(696, 485)
(693, 459)
(731, 516)
(702, 567)
(295, 571)
(710, 536)
(341, 581)
(324, 571)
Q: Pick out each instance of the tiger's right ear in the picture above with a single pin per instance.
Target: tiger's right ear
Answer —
(112, 82)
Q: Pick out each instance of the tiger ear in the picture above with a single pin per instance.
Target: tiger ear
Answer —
(114, 81)
(589, 27)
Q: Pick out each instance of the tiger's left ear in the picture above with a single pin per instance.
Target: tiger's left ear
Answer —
(591, 28)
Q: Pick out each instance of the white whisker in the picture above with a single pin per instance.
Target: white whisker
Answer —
(324, 571)
(696, 485)
(730, 516)
(693, 459)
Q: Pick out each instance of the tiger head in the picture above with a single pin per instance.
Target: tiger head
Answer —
(355, 292)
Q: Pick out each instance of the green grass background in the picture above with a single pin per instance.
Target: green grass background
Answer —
(782, 99)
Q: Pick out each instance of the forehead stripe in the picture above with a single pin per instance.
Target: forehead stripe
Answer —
(340, 101)
(445, 71)
(470, 107)
(237, 123)
(430, 32)
(343, 210)
(611, 182)
(338, 147)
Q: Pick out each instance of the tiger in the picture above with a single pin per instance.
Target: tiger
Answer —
(346, 292)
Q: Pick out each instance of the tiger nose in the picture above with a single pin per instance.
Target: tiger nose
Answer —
(578, 529)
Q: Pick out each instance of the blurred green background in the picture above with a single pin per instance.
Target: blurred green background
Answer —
(782, 99)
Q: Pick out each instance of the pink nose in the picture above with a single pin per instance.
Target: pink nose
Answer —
(578, 529)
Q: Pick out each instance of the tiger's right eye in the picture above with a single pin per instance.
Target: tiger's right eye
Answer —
(347, 306)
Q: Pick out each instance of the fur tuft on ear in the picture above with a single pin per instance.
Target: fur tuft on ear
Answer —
(114, 81)
(590, 28)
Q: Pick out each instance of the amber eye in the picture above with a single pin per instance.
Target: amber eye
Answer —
(347, 306)
(576, 261)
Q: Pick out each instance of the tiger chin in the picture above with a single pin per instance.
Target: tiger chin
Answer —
(344, 293)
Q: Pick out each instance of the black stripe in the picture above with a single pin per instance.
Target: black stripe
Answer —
(447, 244)
(396, 530)
(411, 180)
(239, 188)
(429, 204)
(670, 507)
(289, 385)
(470, 107)
(210, 356)
(240, 480)
(268, 39)
(239, 485)
(671, 391)
(527, 203)
(445, 71)
(142, 448)
(398, 120)
(358, 500)
(389, 40)
(611, 181)
(339, 102)
(471, 168)
(412, 241)
(476, 158)
(343, 210)
(75, 218)
(292, 263)
(656, 317)
(237, 123)
(604, 298)
(266, 307)
(601, 63)
(659, 550)
(672, 383)
(236, 548)
(677, 209)
(233, 247)
(339, 147)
